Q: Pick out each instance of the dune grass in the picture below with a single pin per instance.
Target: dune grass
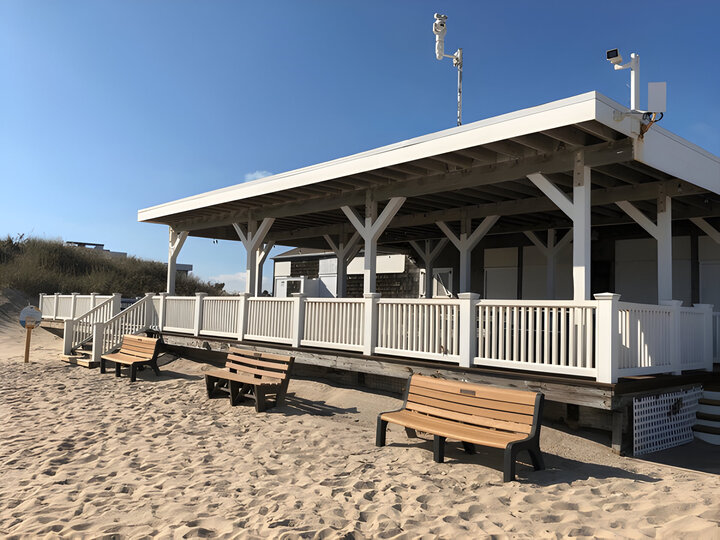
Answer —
(33, 265)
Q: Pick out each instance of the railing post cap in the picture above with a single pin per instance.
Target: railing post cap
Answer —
(606, 296)
(468, 296)
(164, 293)
(149, 294)
(298, 295)
(75, 293)
(200, 294)
(372, 295)
(671, 303)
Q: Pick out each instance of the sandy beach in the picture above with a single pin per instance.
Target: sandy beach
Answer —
(85, 455)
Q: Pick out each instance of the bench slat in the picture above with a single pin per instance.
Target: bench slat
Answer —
(483, 421)
(476, 435)
(480, 401)
(261, 372)
(241, 377)
(255, 354)
(258, 363)
(479, 409)
(500, 394)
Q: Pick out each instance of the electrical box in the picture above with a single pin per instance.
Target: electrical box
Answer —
(657, 97)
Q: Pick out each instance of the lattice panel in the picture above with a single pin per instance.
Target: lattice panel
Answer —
(664, 420)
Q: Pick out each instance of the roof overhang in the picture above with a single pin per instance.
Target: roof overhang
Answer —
(471, 166)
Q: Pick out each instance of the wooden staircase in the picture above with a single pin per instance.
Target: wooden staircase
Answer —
(707, 427)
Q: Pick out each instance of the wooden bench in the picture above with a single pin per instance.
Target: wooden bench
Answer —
(251, 374)
(134, 351)
(473, 414)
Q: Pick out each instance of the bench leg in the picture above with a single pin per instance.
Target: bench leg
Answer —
(509, 468)
(133, 372)
(381, 432)
(234, 390)
(117, 369)
(260, 402)
(439, 448)
(469, 447)
(537, 459)
(102, 365)
(210, 385)
(155, 367)
(411, 433)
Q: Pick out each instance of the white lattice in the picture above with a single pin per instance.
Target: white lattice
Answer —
(664, 420)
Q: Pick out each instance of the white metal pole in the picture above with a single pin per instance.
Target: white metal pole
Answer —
(635, 82)
(459, 60)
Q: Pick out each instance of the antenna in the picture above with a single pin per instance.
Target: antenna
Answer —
(439, 29)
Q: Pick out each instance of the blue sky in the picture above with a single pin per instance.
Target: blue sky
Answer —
(108, 107)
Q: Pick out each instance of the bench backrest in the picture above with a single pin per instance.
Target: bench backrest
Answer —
(259, 364)
(510, 411)
(140, 346)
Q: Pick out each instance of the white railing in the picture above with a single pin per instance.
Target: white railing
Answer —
(270, 319)
(107, 335)
(221, 315)
(716, 337)
(80, 330)
(604, 339)
(428, 329)
(646, 339)
(551, 336)
(68, 306)
(179, 313)
(336, 323)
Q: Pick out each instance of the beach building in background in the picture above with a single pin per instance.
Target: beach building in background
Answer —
(577, 245)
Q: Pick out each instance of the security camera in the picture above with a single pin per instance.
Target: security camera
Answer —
(439, 29)
(613, 56)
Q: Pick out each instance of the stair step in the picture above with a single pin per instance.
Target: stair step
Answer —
(708, 416)
(706, 429)
(711, 402)
(80, 360)
(712, 394)
(708, 437)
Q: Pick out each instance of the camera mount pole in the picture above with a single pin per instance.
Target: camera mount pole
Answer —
(457, 62)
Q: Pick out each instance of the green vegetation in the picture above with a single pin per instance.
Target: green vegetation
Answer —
(32, 266)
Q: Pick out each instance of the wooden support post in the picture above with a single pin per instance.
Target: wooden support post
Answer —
(198, 314)
(345, 250)
(28, 334)
(607, 337)
(242, 316)
(662, 233)
(252, 237)
(371, 323)
(550, 251)
(465, 244)
(175, 244)
(370, 232)
(468, 328)
(428, 253)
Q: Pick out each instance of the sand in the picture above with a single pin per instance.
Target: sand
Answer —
(85, 455)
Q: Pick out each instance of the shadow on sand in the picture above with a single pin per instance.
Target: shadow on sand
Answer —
(557, 470)
(696, 456)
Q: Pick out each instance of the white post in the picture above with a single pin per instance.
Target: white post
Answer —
(97, 341)
(675, 341)
(197, 319)
(252, 237)
(148, 308)
(707, 310)
(93, 299)
(664, 248)
(607, 337)
(73, 304)
(242, 316)
(550, 265)
(371, 323)
(55, 307)
(40, 302)
(370, 231)
(298, 300)
(581, 229)
(344, 251)
(428, 254)
(68, 337)
(465, 244)
(162, 313)
(262, 255)
(468, 328)
(175, 244)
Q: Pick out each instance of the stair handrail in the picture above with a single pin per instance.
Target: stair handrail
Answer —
(108, 335)
(78, 331)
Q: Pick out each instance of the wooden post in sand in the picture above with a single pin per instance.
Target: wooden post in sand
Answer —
(28, 332)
